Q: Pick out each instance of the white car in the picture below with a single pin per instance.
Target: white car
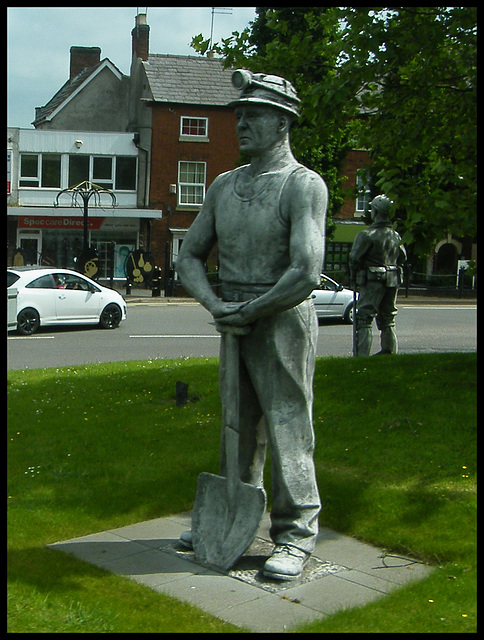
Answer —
(332, 300)
(49, 296)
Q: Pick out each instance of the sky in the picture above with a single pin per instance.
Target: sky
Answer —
(39, 40)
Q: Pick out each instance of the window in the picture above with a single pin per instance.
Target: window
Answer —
(78, 170)
(29, 170)
(45, 170)
(328, 285)
(72, 282)
(191, 183)
(51, 170)
(126, 173)
(362, 191)
(102, 171)
(178, 236)
(11, 278)
(44, 282)
(108, 172)
(194, 127)
(40, 170)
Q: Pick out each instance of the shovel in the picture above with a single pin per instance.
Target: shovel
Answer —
(227, 511)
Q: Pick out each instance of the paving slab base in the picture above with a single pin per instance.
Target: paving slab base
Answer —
(342, 573)
(249, 567)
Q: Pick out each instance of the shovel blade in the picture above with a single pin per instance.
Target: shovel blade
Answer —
(223, 528)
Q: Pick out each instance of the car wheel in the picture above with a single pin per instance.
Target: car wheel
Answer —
(28, 321)
(348, 317)
(110, 316)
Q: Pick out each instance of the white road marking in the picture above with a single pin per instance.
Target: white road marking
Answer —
(159, 335)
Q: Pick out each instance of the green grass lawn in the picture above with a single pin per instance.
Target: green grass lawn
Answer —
(102, 446)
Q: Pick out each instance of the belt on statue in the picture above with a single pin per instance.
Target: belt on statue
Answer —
(235, 292)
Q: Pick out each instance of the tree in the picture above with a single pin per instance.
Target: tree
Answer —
(400, 82)
(416, 67)
(295, 43)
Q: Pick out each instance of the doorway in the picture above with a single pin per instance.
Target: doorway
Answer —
(28, 250)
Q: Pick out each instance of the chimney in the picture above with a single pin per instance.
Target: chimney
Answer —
(83, 58)
(140, 36)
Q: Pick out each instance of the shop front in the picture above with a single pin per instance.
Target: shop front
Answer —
(57, 240)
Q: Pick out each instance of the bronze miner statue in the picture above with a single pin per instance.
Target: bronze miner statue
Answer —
(376, 261)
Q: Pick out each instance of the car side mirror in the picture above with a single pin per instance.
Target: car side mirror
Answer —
(340, 287)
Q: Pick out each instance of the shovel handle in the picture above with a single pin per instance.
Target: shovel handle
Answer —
(231, 417)
(231, 382)
(355, 326)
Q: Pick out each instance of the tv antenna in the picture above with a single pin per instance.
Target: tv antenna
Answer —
(218, 10)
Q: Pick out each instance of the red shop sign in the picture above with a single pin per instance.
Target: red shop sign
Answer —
(66, 223)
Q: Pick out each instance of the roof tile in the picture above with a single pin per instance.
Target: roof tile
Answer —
(189, 80)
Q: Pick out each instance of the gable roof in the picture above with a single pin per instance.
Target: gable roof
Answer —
(189, 80)
(70, 89)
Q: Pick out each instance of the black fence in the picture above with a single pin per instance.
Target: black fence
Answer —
(460, 285)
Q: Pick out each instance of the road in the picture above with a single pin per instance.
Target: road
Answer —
(161, 330)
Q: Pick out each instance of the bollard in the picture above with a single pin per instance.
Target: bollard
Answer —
(156, 283)
(181, 393)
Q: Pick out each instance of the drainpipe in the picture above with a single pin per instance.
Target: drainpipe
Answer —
(136, 140)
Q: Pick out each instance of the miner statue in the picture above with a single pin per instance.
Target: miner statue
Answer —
(376, 261)
(267, 219)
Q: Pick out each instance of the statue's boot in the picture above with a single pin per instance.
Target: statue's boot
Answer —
(364, 337)
(388, 341)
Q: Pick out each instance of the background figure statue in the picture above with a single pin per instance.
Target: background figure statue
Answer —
(376, 260)
(268, 221)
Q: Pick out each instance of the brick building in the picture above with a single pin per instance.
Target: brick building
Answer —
(191, 139)
(183, 135)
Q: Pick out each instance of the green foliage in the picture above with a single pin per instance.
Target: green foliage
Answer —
(296, 44)
(417, 71)
(400, 82)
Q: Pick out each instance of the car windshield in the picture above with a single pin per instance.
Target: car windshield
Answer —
(11, 278)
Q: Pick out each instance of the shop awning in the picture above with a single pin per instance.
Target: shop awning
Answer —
(94, 212)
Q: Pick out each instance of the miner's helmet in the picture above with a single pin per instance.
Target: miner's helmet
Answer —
(381, 204)
(263, 89)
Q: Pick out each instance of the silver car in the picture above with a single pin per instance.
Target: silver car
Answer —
(49, 296)
(332, 300)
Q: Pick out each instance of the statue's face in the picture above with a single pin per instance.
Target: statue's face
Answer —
(259, 128)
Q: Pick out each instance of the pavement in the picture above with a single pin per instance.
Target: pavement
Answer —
(342, 573)
(145, 296)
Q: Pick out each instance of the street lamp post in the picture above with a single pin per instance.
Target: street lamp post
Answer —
(81, 194)
(85, 191)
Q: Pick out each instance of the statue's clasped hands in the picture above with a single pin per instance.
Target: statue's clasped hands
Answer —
(229, 318)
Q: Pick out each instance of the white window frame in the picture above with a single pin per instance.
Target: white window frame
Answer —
(108, 183)
(178, 237)
(186, 191)
(362, 201)
(34, 181)
(193, 136)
